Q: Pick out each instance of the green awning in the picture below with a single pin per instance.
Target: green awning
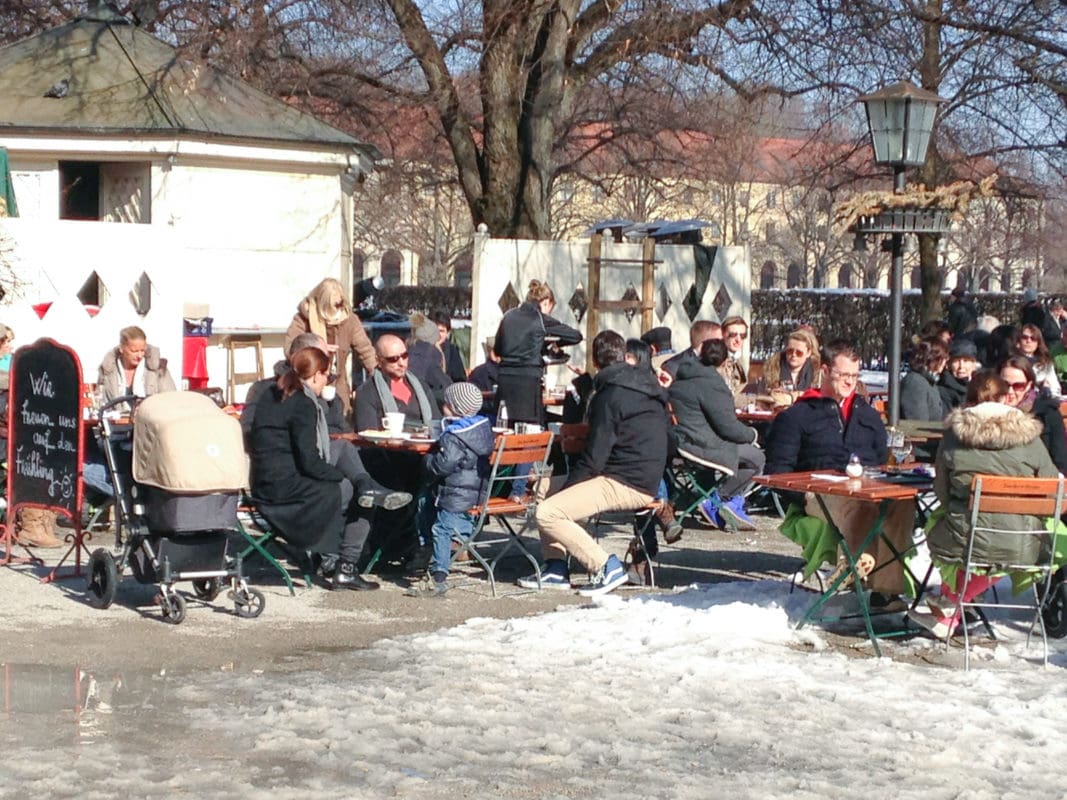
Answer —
(7, 190)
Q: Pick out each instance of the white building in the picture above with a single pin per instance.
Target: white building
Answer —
(146, 182)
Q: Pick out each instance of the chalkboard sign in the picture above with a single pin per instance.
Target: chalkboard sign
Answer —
(44, 427)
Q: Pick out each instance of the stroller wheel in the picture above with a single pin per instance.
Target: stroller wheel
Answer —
(1054, 607)
(249, 603)
(207, 589)
(173, 608)
(103, 579)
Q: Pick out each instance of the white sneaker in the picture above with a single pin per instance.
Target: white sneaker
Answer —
(939, 627)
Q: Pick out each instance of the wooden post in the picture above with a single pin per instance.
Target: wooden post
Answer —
(648, 282)
(592, 290)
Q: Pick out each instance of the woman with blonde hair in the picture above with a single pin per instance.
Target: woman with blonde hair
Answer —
(794, 370)
(521, 341)
(327, 312)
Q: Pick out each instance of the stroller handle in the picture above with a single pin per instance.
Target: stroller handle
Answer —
(131, 399)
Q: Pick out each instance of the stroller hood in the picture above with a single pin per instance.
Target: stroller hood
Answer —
(183, 442)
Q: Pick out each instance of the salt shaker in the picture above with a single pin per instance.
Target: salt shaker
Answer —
(854, 469)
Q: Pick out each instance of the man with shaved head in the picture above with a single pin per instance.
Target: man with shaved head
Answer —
(393, 388)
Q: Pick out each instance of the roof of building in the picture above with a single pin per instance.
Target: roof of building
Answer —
(102, 75)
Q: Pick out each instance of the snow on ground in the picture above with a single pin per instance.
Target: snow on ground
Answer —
(706, 693)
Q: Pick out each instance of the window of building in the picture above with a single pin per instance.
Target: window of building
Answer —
(767, 275)
(391, 263)
(844, 277)
(794, 276)
(105, 191)
(769, 231)
(464, 267)
(916, 277)
(772, 199)
(359, 262)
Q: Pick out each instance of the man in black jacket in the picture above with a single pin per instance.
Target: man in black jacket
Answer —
(821, 431)
(619, 469)
(699, 332)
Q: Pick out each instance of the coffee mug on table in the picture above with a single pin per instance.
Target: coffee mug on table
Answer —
(393, 422)
(329, 393)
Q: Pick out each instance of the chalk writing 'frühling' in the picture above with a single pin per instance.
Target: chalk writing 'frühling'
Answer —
(41, 385)
(31, 466)
(34, 417)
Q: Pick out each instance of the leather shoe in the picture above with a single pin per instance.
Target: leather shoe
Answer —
(383, 498)
(347, 577)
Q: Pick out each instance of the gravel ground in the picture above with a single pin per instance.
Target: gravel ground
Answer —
(52, 624)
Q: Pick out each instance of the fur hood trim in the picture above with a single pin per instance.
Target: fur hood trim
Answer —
(993, 426)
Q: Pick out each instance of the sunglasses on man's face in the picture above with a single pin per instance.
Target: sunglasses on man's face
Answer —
(736, 335)
(396, 358)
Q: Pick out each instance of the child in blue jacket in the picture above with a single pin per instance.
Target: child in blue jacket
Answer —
(460, 468)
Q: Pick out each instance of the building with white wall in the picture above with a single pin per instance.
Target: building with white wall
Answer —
(135, 167)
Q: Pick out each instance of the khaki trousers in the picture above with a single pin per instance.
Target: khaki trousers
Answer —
(558, 517)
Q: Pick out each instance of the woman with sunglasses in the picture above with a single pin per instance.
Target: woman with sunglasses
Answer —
(318, 500)
(327, 312)
(1030, 343)
(794, 370)
(1024, 394)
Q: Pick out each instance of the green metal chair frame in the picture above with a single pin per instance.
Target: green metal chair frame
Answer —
(266, 539)
(1028, 497)
(688, 489)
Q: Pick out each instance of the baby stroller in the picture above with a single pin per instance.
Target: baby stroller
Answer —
(189, 467)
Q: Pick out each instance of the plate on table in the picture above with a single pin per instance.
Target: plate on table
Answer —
(385, 435)
(498, 429)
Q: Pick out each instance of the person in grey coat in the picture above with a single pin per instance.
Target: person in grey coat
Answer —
(707, 426)
(919, 395)
(986, 436)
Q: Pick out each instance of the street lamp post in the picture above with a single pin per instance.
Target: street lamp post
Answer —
(900, 118)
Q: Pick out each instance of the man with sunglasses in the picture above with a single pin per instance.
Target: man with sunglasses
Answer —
(392, 387)
(733, 371)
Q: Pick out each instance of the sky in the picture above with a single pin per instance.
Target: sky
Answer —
(707, 692)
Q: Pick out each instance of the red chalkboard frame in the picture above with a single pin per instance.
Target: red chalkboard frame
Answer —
(53, 394)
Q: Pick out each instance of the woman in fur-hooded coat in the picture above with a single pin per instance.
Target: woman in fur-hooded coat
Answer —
(988, 438)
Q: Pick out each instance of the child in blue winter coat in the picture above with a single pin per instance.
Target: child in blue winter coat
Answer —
(460, 469)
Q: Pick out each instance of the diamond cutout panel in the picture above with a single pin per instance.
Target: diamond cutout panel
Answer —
(579, 303)
(630, 295)
(141, 295)
(691, 303)
(93, 294)
(508, 299)
(722, 302)
(663, 302)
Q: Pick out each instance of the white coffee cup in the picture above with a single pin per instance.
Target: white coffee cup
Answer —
(393, 422)
(329, 393)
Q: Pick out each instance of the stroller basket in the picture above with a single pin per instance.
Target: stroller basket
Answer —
(184, 552)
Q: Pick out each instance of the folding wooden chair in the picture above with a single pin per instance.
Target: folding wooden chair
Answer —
(1039, 498)
(511, 449)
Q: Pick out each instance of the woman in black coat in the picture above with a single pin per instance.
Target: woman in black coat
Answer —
(306, 499)
(520, 343)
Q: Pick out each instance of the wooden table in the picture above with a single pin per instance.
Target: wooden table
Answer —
(418, 446)
(749, 417)
(835, 483)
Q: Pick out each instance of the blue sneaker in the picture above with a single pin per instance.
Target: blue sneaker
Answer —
(611, 576)
(554, 575)
(733, 512)
(709, 508)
